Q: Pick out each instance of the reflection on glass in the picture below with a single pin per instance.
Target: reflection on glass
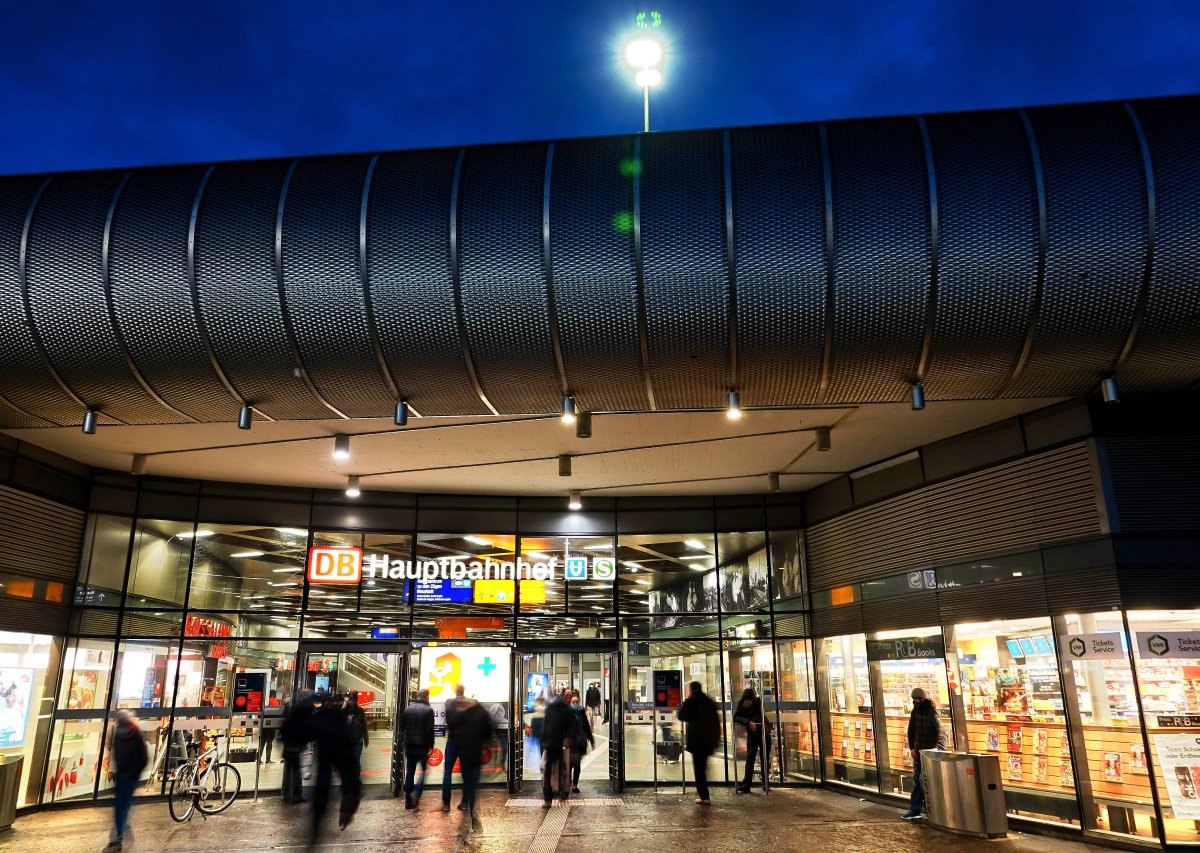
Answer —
(158, 566)
(787, 569)
(102, 573)
(797, 711)
(743, 571)
(28, 665)
(906, 660)
(847, 734)
(667, 574)
(248, 567)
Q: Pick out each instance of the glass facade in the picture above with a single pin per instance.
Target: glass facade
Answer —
(1089, 714)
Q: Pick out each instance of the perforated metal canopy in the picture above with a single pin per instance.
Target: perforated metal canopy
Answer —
(1008, 254)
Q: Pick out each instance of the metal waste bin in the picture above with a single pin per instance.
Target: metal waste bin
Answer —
(10, 788)
(964, 793)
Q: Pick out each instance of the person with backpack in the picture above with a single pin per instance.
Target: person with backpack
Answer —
(358, 725)
(128, 757)
(703, 735)
(557, 738)
(924, 732)
(417, 725)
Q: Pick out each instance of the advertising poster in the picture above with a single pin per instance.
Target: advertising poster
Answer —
(83, 690)
(484, 671)
(668, 688)
(536, 684)
(1179, 764)
(16, 687)
(248, 691)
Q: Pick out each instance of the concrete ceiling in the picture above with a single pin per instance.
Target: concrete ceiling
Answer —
(666, 453)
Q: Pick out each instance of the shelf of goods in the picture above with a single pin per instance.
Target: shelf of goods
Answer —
(853, 738)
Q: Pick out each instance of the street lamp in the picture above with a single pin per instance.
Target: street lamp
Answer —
(643, 54)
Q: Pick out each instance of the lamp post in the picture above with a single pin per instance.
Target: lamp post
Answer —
(644, 54)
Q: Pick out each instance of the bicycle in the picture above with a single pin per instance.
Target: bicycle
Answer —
(203, 784)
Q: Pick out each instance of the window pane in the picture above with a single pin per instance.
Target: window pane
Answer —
(241, 567)
(907, 659)
(28, 667)
(102, 573)
(86, 666)
(797, 711)
(675, 573)
(158, 568)
(447, 595)
(847, 736)
(787, 568)
(743, 577)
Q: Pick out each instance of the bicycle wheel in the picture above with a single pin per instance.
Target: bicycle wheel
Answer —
(182, 799)
(219, 787)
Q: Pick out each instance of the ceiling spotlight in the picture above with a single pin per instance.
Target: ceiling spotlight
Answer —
(772, 482)
(89, 422)
(575, 502)
(568, 414)
(401, 413)
(352, 490)
(583, 426)
(564, 465)
(1108, 390)
(245, 417)
(138, 467)
(918, 397)
(341, 446)
(823, 439)
(735, 406)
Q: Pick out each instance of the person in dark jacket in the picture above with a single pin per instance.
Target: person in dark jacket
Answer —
(924, 732)
(329, 727)
(358, 725)
(471, 728)
(416, 723)
(452, 707)
(703, 734)
(557, 732)
(295, 738)
(592, 699)
(749, 714)
(581, 739)
(128, 757)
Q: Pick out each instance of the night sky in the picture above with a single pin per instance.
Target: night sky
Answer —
(85, 85)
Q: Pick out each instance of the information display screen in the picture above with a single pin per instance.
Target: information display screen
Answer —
(443, 592)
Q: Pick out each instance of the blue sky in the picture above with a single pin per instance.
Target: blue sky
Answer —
(86, 84)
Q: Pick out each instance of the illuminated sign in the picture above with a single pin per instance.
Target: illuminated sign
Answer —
(335, 565)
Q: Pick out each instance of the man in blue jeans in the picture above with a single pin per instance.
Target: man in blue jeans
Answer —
(128, 757)
(417, 725)
(452, 708)
(924, 732)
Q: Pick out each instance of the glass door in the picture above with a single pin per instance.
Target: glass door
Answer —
(612, 720)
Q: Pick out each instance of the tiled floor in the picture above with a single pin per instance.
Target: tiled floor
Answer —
(637, 822)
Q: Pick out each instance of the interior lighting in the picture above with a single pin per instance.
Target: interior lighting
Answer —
(89, 422)
(1108, 390)
(568, 410)
(401, 417)
(198, 534)
(341, 446)
(288, 583)
(823, 439)
(642, 581)
(918, 397)
(138, 467)
(352, 490)
(574, 503)
(697, 567)
(734, 410)
(291, 531)
(694, 557)
(245, 417)
(291, 571)
(478, 540)
(249, 554)
(694, 544)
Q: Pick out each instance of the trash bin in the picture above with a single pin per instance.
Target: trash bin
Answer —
(964, 793)
(10, 788)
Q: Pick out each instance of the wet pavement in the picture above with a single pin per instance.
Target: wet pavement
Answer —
(636, 822)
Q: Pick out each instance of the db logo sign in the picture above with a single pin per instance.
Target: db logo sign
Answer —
(335, 565)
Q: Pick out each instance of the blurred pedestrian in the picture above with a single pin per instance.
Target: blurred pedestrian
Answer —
(330, 729)
(703, 735)
(295, 736)
(557, 731)
(472, 731)
(128, 757)
(581, 739)
(451, 756)
(358, 725)
(416, 724)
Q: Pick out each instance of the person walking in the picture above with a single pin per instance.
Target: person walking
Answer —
(452, 707)
(581, 739)
(749, 714)
(924, 732)
(592, 699)
(357, 718)
(329, 727)
(295, 737)
(556, 748)
(472, 730)
(128, 757)
(416, 723)
(703, 735)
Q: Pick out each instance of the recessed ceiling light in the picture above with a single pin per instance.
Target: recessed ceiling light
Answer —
(290, 570)
(603, 546)
(248, 554)
(199, 534)
(694, 557)
(642, 581)
(694, 543)
(478, 540)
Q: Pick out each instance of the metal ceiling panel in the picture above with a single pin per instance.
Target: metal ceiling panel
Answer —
(1000, 254)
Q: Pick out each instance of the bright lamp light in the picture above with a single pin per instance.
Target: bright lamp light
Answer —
(648, 77)
(642, 53)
